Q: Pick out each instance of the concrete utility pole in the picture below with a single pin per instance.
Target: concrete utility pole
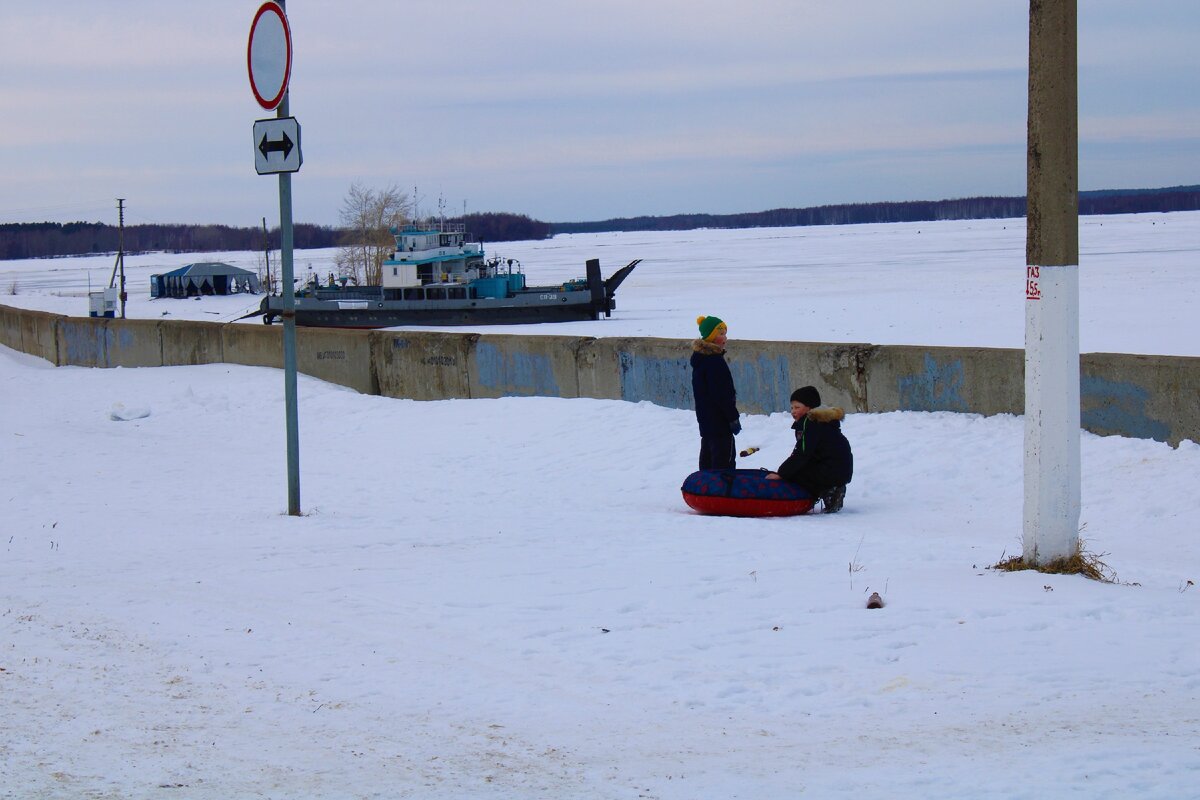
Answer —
(1052, 469)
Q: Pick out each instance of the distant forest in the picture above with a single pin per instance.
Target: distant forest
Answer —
(47, 239)
(1107, 201)
(51, 239)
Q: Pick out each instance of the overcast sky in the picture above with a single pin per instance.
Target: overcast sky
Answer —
(574, 110)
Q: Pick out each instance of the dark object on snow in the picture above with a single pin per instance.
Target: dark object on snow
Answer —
(821, 459)
(874, 601)
(744, 493)
(832, 500)
(438, 275)
(203, 278)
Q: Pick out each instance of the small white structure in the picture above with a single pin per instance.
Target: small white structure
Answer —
(103, 303)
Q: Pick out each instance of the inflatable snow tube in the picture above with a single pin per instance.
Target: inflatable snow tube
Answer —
(744, 493)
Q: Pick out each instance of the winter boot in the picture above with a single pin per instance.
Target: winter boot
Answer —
(833, 499)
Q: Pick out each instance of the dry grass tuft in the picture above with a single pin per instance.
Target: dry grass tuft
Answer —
(1089, 565)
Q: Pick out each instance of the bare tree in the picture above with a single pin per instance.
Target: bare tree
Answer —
(367, 216)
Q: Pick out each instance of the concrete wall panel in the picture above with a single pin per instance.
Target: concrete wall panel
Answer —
(39, 336)
(964, 379)
(338, 356)
(10, 327)
(598, 369)
(253, 345)
(422, 366)
(82, 341)
(766, 373)
(656, 370)
(190, 343)
(524, 366)
(133, 343)
(1147, 397)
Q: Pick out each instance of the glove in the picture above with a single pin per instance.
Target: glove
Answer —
(735, 427)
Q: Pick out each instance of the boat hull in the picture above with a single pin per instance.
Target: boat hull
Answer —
(451, 303)
(550, 306)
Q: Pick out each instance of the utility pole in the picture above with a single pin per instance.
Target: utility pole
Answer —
(267, 253)
(120, 263)
(1052, 459)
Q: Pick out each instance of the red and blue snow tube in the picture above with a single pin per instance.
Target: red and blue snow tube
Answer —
(744, 493)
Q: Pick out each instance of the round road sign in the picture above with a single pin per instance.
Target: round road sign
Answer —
(269, 55)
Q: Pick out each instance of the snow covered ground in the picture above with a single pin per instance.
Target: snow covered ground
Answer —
(955, 283)
(508, 598)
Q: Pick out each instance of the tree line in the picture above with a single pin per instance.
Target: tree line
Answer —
(50, 239)
(1110, 201)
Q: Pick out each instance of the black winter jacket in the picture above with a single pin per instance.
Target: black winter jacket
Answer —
(712, 388)
(822, 457)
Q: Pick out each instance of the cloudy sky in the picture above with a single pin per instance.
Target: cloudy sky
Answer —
(574, 110)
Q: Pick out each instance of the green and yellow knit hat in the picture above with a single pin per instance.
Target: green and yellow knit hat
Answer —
(710, 327)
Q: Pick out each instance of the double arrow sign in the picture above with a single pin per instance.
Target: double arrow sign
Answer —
(277, 145)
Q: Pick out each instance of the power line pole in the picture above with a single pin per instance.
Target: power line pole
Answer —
(120, 263)
(1052, 459)
(267, 253)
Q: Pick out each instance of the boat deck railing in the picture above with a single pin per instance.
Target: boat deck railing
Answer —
(431, 226)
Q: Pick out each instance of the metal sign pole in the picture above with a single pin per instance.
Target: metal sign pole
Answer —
(289, 326)
(289, 335)
(269, 63)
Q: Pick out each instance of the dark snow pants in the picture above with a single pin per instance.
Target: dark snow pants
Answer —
(717, 452)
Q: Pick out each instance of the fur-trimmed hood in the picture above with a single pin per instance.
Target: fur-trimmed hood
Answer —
(707, 348)
(826, 414)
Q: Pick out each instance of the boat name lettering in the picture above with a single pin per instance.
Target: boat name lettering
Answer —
(440, 361)
(547, 297)
(340, 355)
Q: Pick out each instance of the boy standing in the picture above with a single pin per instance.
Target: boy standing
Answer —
(821, 461)
(716, 398)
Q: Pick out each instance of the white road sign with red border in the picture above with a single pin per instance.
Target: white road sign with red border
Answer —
(269, 55)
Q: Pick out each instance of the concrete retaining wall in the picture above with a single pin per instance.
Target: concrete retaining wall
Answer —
(422, 366)
(523, 366)
(133, 343)
(968, 379)
(10, 326)
(1147, 397)
(39, 335)
(82, 342)
(765, 373)
(191, 343)
(253, 345)
(337, 356)
(1152, 397)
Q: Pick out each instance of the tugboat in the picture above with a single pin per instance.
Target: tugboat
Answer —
(439, 276)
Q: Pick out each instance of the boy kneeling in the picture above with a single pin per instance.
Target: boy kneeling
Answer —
(821, 462)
